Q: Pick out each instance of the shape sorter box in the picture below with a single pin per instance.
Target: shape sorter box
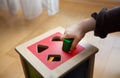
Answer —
(54, 48)
(51, 61)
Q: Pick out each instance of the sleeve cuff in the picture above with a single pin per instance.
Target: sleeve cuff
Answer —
(99, 28)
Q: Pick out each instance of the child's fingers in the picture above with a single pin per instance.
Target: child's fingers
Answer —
(66, 35)
(62, 38)
(74, 44)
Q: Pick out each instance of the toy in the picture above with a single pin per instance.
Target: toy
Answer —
(67, 44)
(43, 57)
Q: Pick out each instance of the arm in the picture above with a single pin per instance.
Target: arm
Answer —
(106, 21)
(78, 31)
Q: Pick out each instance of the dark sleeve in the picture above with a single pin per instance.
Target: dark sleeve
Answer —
(107, 21)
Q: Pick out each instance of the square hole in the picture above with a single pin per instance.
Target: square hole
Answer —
(54, 58)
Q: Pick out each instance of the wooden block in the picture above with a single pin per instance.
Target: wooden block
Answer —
(51, 59)
(67, 44)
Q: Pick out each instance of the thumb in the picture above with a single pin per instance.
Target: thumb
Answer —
(74, 44)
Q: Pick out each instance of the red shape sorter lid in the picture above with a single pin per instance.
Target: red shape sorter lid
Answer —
(54, 48)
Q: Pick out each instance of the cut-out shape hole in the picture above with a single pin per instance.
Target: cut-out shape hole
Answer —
(41, 48)
(53, 58)
(56, 38)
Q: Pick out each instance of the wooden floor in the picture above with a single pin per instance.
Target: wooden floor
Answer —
(15, 30)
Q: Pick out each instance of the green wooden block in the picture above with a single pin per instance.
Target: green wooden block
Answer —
(67, 43)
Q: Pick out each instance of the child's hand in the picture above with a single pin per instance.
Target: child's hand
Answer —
(78, 31)
(74, 32)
